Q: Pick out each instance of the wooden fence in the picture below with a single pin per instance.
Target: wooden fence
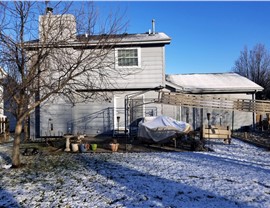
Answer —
(215, 102)
(4, 129)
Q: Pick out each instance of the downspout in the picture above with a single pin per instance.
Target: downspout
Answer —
(37, 109)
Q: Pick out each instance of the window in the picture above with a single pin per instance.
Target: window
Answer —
(128, 57)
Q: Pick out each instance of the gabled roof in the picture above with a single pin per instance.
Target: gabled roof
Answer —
(140, 38)
(212, 83)
(117, 39)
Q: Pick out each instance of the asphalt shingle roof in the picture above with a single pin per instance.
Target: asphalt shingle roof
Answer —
(212, 82)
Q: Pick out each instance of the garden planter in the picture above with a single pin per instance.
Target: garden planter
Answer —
(87, 147)
(128, 147)
(82, 148)
(114, 147)
(74, 147)
(94, 147)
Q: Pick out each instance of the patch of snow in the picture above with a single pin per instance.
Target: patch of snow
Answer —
(236, 175)
(7, 166)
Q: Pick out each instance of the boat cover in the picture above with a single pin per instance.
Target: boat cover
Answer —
(161, 128)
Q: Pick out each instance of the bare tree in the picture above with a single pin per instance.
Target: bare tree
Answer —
(255, 65)
(57, 62)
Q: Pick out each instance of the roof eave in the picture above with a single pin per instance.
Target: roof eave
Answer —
(123, 42)
(221, 91)
(94, 44)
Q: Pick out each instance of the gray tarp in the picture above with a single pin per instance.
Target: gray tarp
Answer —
(161, 128)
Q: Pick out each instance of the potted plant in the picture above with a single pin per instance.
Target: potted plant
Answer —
(87, 146)
(75, 147)
(82, 148)
(114, 145)
(94, 147)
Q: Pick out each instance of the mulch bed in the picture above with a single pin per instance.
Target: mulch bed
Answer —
(258, 138)
(58, 145)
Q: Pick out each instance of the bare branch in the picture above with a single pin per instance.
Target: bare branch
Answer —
(56, 57)
(255, 65)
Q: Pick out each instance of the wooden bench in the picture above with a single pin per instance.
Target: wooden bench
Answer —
(217, 132)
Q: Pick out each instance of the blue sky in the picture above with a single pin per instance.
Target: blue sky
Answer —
(207, 37)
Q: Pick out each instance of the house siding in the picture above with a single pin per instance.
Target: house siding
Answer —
(98, 118)
(92, 118)
(58, 117)
(150, 75)
(51, 117)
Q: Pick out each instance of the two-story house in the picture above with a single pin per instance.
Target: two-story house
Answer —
(136, 67)
(141, 58)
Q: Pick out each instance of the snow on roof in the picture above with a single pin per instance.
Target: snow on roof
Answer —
(118, 39)
(138, 38)
(212, 82)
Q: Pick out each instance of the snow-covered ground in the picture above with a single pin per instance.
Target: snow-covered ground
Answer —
(236, 175)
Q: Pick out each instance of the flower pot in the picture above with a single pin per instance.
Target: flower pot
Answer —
(128, 147)
(87, 147)
(82, 148)
(114, 147)
(94, 147)
(75, 147)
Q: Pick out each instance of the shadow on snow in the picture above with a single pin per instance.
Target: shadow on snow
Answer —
(134, 188)
(6, 198)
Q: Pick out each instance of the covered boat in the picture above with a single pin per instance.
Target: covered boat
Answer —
(161, 128)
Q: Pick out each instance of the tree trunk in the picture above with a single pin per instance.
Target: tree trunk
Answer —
(16, 161)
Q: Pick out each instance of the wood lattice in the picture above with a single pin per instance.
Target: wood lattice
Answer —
(215, 102)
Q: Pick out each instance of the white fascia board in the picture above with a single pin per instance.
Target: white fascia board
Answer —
(79, 44)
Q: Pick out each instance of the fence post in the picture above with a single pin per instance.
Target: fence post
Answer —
(4, 129)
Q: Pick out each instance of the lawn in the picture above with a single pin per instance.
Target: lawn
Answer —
(236, 175)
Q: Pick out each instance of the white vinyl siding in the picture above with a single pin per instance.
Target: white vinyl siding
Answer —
(93, 118)
(150, 72)
(96, 118)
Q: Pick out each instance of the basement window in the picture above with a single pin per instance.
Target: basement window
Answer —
(128, 57)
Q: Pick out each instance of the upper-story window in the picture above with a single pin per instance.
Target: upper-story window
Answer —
(128, 57)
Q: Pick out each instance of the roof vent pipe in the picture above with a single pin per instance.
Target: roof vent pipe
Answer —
(153, 26)
(49, 10)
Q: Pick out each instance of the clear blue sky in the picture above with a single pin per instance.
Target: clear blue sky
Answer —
(207, 37)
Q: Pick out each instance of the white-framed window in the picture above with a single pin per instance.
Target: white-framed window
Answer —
(128, 57)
